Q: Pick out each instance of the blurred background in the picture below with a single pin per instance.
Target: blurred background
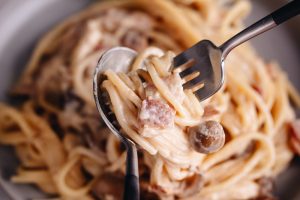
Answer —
(22, 23)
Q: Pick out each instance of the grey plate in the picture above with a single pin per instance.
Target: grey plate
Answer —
(22, 23)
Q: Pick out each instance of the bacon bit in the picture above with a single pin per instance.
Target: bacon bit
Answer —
(210, 111)
(158, 189)
(295, 145)
(99, 47)
(272, 71)
(174, 83)
(295, 128)
(156, 113)
(257, 89)
(151, 91)
(295, 135)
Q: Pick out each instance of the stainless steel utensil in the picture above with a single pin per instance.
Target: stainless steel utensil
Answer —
(203, 56)
(117, 59)
(209, 59)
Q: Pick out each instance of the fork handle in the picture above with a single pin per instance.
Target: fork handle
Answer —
(131, 183)
(286, 12)
(270, 21)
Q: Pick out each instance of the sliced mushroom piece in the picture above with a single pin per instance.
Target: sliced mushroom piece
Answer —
(207, 137)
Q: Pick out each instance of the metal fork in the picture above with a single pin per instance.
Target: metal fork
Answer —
(202, 65)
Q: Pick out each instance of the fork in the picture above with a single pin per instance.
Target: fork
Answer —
(202, 65)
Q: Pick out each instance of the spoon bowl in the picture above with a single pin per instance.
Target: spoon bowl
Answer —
(117, 59)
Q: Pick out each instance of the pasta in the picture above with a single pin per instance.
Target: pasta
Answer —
(68, 152)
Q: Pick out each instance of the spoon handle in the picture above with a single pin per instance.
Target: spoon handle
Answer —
(131, 183)
(270, 21)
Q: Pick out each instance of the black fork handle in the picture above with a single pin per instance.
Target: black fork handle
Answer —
(131, 191)
(270, 21)
(131, 183)
(286, 12)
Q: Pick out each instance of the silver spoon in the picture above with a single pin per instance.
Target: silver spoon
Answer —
(117, 59)
(209, 59)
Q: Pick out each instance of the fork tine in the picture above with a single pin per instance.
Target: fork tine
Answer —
(190, 77)
(192, 83)
(180, 59)
(208, 61)
(110, 112)
(184, 66)
(197, 87)
(204, 92)
(189, 70)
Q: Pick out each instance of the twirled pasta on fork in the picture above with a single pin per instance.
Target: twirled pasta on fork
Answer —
(66, 152)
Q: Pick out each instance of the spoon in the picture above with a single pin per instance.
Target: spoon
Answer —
(117, 59)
